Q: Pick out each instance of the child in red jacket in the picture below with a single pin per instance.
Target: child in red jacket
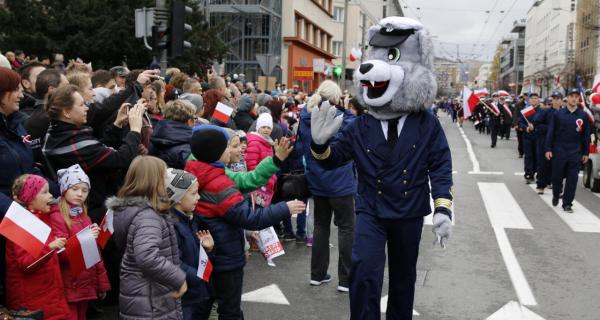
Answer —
(67, 218)
(260, 146)
(31, 283)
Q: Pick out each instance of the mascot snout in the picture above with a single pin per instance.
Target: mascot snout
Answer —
(380, 81)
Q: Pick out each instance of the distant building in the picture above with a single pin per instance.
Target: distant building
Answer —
(483, 77)
(586, 41)
(447, 74)
(392, 8)
(512, 60)
(549, 43)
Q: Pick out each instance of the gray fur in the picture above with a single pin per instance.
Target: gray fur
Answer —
(418, 86)
(115, 202)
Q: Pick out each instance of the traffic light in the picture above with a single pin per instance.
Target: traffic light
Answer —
(178, 27)
(337, 71)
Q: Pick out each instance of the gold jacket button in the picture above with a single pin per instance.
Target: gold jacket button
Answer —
(379, 192)
(368, 150)
(405, 171)
(405, 182)
(414, 146)
(405, 193)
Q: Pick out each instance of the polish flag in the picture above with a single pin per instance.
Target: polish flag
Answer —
(25, 229)
(106, 229)
(222, 112)
(596, 83)
(470, 101)
(204, 265)
(494, 108)
(503, 93)
(528, 112)
(82, 251)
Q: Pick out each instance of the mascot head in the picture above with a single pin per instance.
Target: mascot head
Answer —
(398, 76)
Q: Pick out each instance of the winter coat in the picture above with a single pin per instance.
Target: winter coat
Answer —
(16, 157)
(150, 267)
(37, 288)
(171, 142)
(29, 103)
(189, 246)
(252, 180)
(243, 119)
(222, 208)
(258, 149)
(67, 144)
(338, 182)
(86, 285)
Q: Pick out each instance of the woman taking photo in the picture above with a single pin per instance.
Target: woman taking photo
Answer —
(151, 280)
(69, 141)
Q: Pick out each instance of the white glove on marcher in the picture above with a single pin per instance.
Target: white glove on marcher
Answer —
(442, 228)
(323, 123)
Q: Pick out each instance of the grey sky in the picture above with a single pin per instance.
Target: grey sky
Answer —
(463, 22)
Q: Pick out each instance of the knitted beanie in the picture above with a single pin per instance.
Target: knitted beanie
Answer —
(178, 182)
(71, 176)
(208, 144)
(264, 120)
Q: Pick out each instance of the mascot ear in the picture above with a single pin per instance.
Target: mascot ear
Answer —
(425, 48)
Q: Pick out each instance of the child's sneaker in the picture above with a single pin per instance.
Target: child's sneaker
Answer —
(309, 242)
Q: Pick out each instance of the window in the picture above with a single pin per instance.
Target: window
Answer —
(337, 48)
(338, 14)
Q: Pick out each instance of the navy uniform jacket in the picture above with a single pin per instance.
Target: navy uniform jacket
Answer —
(564, 139)
(393, 183)
(541, 120)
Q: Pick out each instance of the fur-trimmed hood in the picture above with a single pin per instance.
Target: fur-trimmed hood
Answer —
(124, 211)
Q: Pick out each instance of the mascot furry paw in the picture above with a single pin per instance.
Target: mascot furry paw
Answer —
(398, 148)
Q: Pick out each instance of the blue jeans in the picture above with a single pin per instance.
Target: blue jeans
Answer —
(300, 225)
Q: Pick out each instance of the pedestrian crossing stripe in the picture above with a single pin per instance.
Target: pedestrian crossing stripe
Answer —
(384, 303)
(582, 220)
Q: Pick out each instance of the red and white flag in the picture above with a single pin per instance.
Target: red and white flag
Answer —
(222, 112)
(204, 265)
(106, 229)
(25, 229)
(82, 251)
(528, 112)
(470, 101)
(596, 83)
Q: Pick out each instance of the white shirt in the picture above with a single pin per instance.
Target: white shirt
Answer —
(384, 126)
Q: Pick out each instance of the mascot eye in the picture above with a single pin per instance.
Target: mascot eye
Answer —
(394, 54)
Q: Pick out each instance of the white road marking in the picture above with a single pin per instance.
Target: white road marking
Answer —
(469, 150)
(269, 294)
(504, 212)
(383, 306)
(514, 311)
(582, 220)
(497, 173)
(519, 173)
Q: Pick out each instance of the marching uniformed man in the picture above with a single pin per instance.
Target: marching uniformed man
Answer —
(529, 139)
(494, 114)
(568, 146)
(541, 121)
(505, 118)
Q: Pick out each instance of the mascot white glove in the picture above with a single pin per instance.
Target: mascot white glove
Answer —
(323, 123)
(442, 228)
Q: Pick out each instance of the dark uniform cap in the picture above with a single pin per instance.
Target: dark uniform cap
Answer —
(534, 94)
(556, 94)
(572, 91)
(390, 37)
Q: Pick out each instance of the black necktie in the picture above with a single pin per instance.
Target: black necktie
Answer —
(392, 134)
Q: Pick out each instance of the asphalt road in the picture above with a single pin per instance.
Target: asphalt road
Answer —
(511, 255)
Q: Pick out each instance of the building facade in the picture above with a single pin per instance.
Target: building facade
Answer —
(252, 27)
(447, 74)
(586, 43)
(307, 42)
(512, 59)
(549, 43)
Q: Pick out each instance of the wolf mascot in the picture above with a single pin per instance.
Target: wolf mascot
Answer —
(399, 149)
